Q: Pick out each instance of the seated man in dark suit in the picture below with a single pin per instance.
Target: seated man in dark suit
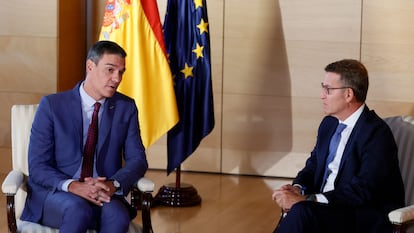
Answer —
(85, 151)
(352, 179)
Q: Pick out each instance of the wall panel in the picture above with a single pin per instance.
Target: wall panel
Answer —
(387, 50)
(257, 104)
(72, 42)
(29, 64)
(28, 52)
(28, 18)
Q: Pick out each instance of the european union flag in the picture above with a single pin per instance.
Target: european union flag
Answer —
(187, 38)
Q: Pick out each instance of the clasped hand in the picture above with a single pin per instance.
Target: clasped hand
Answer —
(286, 196)
(96, 190)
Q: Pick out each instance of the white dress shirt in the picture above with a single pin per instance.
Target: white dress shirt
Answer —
(334, 165)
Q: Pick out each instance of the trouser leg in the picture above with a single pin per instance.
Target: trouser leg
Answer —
(68, 212)
(114, 217)
(313, 217)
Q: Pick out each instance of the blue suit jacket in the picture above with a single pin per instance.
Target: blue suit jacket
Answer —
(369, 178)
(56, 146)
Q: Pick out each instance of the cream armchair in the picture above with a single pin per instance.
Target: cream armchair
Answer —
(14, 184)
(402, 128)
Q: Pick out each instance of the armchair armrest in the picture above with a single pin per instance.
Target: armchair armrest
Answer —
(12, 182)
(402, 215)
(141, 198)
(10, 185)
(145, 185)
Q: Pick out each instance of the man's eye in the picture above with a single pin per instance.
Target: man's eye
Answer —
(110, 70)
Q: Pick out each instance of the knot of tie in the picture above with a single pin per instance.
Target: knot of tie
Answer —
(340, 128)
(96, 107)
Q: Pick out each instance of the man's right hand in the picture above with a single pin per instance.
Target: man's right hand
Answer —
(88, 189)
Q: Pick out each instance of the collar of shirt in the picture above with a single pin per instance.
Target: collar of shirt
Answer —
(353, 118)
(87, 110)
(87, 100)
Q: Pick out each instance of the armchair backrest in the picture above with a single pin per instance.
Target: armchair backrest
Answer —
(402, 128)
(21, 123)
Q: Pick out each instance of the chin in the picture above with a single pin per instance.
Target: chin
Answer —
(109, 94)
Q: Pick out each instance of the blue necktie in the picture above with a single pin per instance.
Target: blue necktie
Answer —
(333, 147)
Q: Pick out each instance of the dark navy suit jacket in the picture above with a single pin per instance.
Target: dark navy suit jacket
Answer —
(56, 146)
(368, 179)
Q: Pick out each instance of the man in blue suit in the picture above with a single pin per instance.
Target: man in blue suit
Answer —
(354, 189)
(57, 196)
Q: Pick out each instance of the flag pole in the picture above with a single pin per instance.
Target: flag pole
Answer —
(178, 177)
(178, 194)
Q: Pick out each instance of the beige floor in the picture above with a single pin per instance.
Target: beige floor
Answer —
(230, 204)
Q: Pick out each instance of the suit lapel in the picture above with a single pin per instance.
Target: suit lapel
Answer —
(105, 125)
(76, 116)
(352, 138)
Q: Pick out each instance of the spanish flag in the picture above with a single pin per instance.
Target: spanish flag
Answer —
(135, 25)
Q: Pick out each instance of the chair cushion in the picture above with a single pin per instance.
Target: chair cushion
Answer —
(30, 227)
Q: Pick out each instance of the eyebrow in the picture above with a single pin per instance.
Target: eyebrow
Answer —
(109, 64)
(113, 65)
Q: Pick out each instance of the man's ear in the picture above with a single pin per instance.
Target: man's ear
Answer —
(350, 95)
(89, 65)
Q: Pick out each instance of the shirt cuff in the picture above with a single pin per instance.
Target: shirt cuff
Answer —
(321, 198)
(302, 189)
(65, 185)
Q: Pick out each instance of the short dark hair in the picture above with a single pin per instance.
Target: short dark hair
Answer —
(104, 47)
(353, 74)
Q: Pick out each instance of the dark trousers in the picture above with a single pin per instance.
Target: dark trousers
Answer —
(313, 217)
(71, 213)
